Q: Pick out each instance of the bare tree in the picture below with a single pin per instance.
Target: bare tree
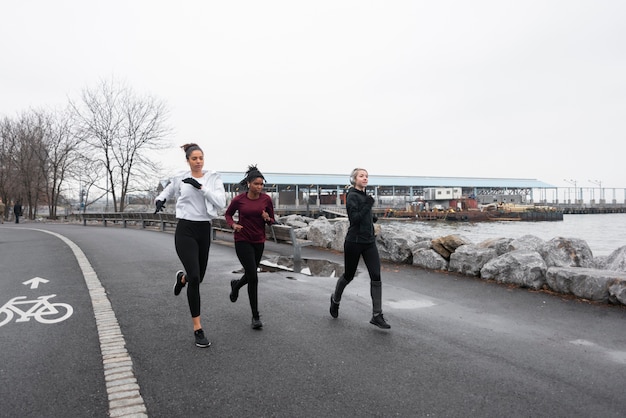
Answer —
(89, 175)
(61, 144)
(120, 128)
(8, 170)
(26, 137)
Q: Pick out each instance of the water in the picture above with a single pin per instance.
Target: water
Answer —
(604, 233)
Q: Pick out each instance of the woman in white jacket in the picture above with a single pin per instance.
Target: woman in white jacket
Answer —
(199, 195)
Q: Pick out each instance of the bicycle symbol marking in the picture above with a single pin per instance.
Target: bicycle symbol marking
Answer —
(42, 310)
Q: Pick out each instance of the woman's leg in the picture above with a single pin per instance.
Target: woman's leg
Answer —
(372, 261)
(248, 255)
(253, 283)
(187, 248)
(351, 255)
(203, 231)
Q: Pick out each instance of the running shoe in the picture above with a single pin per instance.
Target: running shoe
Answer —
(256, 323)
(234, 292)
(334, 307)
(379, 321)
(201, 340)
(178, 286)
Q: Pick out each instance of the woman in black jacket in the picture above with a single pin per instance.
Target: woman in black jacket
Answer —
(360, 242)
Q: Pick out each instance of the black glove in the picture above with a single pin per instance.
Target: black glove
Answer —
(370, 200)
(193, 182)
(160, 204)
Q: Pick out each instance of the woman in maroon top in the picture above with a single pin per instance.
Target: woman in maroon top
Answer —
(255, 209)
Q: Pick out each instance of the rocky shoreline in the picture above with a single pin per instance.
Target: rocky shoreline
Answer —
(562, 265)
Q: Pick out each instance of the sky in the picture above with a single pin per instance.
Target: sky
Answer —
(514, 89)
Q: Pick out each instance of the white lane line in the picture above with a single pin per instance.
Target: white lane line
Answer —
(122, 388)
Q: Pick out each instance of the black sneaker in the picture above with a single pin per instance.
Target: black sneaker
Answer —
(334, 307)
(178, 286)
(234, 292)
(379, 321)
(201, 340)
(256, 323)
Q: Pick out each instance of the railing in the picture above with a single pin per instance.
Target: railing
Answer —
(138, 218)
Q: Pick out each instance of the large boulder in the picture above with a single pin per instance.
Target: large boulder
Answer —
(395, 244)
(524, 268)
(340, 230)
(445, 246)
(617, 292)
(616, 260)
(321, 232)
(469, 259)
(302, 233)
(429, 259)
(500, 245)
(592, 284)
(566, 252)
(526, 242)
(297, 221)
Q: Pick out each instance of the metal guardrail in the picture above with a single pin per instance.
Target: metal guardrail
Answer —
(140, 218)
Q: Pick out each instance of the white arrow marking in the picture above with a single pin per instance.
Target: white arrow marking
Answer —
(34, 282)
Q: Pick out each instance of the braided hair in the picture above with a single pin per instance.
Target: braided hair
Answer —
(252, 173)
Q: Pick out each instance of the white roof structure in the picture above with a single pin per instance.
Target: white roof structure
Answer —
(392, 181)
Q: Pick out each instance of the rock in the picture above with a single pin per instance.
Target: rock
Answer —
(526, 242)
(321, 232)
(297, 221)
(302, 233)
(600, 262)
(429, 259)
(617, 293)
(395, 245)
(469, 259)
(501, 245)
(339, 235)
(445, 246)
(566, 252)
(587, 283)
(524, 268)
(616, 260)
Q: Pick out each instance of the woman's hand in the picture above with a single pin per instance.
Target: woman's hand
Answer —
(193, 182)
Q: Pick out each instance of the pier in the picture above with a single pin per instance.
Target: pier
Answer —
(335, 211)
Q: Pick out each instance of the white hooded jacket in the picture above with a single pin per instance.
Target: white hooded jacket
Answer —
(196, 204)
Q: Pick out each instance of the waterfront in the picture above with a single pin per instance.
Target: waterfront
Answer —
(604, 233)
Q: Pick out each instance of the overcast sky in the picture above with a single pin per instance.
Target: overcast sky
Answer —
(517, 89)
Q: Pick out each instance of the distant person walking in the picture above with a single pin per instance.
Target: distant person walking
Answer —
(255, 210)
(360, 242)
(17, 211)
(199, 195)
(3, 209)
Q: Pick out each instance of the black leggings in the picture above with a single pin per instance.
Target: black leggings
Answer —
(193, 240)
(249, 256)
(352, 252)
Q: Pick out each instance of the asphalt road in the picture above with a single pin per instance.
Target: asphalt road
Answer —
(458, 346)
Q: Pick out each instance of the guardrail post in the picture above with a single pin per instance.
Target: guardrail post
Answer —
(297, 253)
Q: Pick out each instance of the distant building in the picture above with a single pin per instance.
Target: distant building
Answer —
(392, 191)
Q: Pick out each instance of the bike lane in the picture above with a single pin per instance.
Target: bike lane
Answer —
(52, 362)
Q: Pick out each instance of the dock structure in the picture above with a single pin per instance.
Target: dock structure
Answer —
(324, 194)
